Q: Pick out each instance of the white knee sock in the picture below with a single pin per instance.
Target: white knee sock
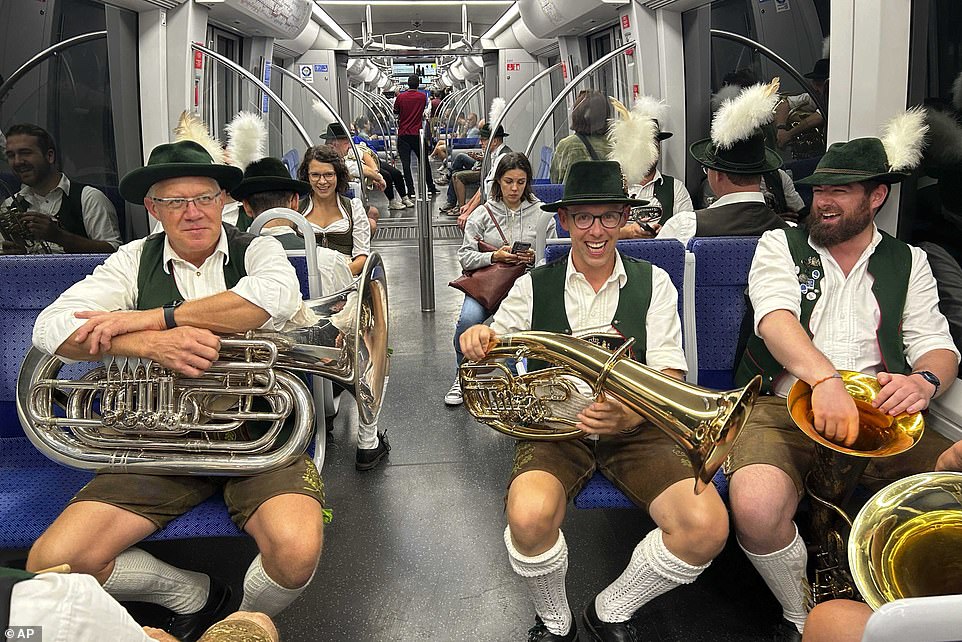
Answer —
(652, 571)
(545, 576)
(367, 435)
(263, 594)
(784, 573)
(141, 577)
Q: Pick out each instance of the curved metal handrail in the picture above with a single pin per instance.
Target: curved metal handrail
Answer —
(23, 69)
(462, 102)
(324, 101)
(568, 89)
(375, 108)
(449, 101)
(784, 64)
(230, 64)
(504, 112)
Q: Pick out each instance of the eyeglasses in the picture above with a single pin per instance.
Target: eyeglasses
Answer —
(179, 205)
(326, 176)
(584, 220)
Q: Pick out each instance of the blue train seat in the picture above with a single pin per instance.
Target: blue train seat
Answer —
(544, 166)
(33, 489)
(721, 277)
(548, 192)
(465, 143)
(291, 160)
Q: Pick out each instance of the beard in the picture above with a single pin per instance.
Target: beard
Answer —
(846, 226)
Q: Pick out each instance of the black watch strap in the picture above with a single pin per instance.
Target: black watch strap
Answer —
(169, 320)
(931, 378)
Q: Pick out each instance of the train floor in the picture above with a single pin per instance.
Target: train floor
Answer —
(415, 550)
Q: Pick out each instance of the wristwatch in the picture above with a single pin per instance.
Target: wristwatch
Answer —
(169, 314)
(931, 378)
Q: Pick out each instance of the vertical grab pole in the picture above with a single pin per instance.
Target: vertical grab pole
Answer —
(425, 241)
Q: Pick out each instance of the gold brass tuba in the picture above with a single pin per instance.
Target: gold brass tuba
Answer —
(545, 404)
(133, 415)
(907, 540)
(836, 471)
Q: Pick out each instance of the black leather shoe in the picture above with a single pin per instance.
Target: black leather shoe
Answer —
(368, 458)
(785, 631)
(540, 633)
(191, 626)
(607, 631)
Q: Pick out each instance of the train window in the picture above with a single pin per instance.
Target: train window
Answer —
(69, 96)
(930, 213)
(224, 100)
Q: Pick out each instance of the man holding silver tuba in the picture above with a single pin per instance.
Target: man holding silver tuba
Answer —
(175, 290)
(839, 295)
(596, 290)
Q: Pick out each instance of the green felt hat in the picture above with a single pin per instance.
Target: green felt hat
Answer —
(749, 156)
(174, 160)
(268, 175)
(591, 182)
(862, 159)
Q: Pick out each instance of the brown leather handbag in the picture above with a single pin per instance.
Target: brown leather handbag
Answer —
(490, 284)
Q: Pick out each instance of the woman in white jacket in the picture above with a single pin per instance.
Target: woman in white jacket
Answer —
(517, 211)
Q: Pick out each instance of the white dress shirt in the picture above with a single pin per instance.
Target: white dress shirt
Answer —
(71, 607)
(846, 314)
(647, 191)
(684, 225)
(362, 226)
(271, 284)
(98, 213)
(591, 312)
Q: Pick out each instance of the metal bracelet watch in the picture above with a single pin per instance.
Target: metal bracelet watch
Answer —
(169, 320)
(931, 378)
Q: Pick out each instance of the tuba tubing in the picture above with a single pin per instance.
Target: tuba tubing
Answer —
(704, 423)
(132, 415)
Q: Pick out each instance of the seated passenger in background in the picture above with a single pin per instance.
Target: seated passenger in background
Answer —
(71, 217)
(509, 216)
(268, 187)
(799, 122)
(589, 120)
(362, 127)
(636, 145)
(596, 290)
(230, 282)
(339, 223)
(778, 189)
(338, 138)
(840, 295)
(497, 148)
(734, 158)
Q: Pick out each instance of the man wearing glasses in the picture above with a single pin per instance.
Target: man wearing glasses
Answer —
(596, 292)
(227, 281)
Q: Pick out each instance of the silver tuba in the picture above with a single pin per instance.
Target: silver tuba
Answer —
(544, 404)
(133, 415)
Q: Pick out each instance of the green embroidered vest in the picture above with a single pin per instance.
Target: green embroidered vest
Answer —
(548, 310)
(890, 265)
(157, 287)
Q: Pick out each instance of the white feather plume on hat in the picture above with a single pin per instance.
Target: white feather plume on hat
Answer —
(903, 138)
(739, 118)
(634, 136)
(246, 139)
(497, 109)
(944, 145)
(190, 127)
(320, 109)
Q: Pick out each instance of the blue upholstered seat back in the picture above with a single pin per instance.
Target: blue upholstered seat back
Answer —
(721, 278)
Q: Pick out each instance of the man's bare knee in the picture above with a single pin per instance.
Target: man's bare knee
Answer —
(763, 501)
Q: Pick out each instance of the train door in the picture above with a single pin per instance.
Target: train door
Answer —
(225, 99)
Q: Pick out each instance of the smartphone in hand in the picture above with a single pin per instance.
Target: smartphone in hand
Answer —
(520, 247)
